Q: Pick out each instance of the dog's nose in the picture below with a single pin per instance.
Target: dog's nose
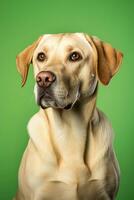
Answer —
(45, 78)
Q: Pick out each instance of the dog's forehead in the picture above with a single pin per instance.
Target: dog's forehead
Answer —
(50, 41)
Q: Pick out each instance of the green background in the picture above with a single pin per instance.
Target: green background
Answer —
(21, 22)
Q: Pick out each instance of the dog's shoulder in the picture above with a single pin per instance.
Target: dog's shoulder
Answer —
(102, 133)
(99, 118)
(37, 122)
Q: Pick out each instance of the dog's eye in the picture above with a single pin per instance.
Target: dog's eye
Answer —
(75, 56)
(41, 57)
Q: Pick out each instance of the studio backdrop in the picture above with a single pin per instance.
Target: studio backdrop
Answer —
(22, 22)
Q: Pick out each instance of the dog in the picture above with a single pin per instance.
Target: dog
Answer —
(70, 154)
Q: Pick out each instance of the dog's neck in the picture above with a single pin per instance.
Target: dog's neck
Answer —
(68, 133)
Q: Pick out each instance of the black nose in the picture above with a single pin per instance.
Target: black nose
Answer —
(45, 78)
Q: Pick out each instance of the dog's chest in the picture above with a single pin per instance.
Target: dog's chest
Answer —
(63, 170)
(72, 173)
(67, 183)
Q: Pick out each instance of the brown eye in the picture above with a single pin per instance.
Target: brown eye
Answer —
(41, 57)
(75, 56)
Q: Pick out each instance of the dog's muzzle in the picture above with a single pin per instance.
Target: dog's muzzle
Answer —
(49, 96)
(44, 81)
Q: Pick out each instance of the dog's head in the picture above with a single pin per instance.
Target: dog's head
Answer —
(67, 67)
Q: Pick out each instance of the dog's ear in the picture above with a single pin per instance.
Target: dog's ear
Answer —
(109, 60)
(24, 59)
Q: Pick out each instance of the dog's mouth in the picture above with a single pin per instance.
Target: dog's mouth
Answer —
(48, 99)
(69, 106)
(54, 104)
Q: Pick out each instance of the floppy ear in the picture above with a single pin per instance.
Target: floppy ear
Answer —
(24, 59)
(109, 60)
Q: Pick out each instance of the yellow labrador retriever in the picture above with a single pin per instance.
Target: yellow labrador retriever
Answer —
(70, 154)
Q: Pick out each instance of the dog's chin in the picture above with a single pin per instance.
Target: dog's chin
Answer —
(54, 104)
